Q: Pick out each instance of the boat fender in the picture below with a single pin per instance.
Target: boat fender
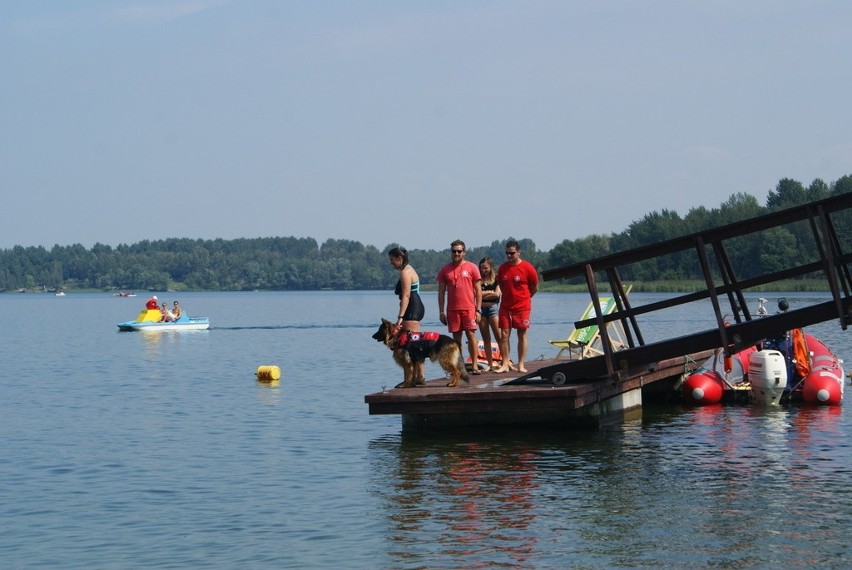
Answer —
(702, 388)
(823, 386)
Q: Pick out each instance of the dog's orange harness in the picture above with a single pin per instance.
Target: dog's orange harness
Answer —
(418, 344)
(406, 337)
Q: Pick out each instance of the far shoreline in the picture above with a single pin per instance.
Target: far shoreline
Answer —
(680, 286)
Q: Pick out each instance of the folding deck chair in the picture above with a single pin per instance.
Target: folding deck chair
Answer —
(587, 341)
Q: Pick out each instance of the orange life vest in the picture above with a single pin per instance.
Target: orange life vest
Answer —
(801, 353)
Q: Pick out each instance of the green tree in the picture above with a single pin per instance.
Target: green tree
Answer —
(777, 251)
(293, 263)
(787, 193)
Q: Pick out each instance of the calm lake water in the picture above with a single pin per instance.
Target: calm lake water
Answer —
(132, 450)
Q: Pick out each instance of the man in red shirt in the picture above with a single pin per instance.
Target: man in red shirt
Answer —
(518, 282)
(461, 280)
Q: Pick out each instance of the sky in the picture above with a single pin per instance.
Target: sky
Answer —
(412, 123)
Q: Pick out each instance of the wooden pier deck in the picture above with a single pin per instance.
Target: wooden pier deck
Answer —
(512, 398)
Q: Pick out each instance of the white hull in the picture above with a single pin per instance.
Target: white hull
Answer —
(169, 327)
(199, 324)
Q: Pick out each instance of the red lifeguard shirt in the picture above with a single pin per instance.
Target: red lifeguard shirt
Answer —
(459, 282)
(515, 282)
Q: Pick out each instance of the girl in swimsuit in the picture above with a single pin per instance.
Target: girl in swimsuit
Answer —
(490, 298)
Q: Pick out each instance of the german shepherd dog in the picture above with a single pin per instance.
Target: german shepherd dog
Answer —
(409, 348)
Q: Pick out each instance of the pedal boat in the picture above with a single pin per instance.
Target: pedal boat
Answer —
(149, 320)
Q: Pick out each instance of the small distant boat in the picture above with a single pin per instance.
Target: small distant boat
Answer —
(60, 293)
(149, 320)
(123, 294)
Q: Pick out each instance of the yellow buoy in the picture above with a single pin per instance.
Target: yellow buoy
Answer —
(268, 373)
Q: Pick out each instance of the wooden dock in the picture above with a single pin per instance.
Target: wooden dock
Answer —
(511, 398)
(586, 390)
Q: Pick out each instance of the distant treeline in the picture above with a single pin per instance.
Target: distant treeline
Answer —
(291, 263)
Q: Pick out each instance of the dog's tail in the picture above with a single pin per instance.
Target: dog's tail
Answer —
(463, 368)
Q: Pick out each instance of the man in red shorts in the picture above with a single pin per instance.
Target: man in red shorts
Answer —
(518, 282)
(461, 281)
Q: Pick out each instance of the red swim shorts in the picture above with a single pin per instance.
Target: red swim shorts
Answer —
(461, 320)
(514, 319)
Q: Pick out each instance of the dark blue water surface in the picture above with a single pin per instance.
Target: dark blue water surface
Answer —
(130, 450)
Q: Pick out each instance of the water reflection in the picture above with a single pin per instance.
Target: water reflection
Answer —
(759, 480)
(269, 393)
(476, 497)
(724, 486)
(154, 338)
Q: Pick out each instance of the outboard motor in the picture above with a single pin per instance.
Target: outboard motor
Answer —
(767, 373)
(783, 343)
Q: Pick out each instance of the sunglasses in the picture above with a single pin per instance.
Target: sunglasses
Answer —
(511, 253)
(457, 250)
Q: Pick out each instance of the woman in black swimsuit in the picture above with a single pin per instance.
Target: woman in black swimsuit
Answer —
(411, 309)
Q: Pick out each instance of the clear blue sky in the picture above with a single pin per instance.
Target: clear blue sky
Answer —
(408, 122)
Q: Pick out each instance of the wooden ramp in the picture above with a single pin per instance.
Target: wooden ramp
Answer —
(737, 337)
(723, 285)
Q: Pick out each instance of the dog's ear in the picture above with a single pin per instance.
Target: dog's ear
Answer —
(379, 335)
(386, 322)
